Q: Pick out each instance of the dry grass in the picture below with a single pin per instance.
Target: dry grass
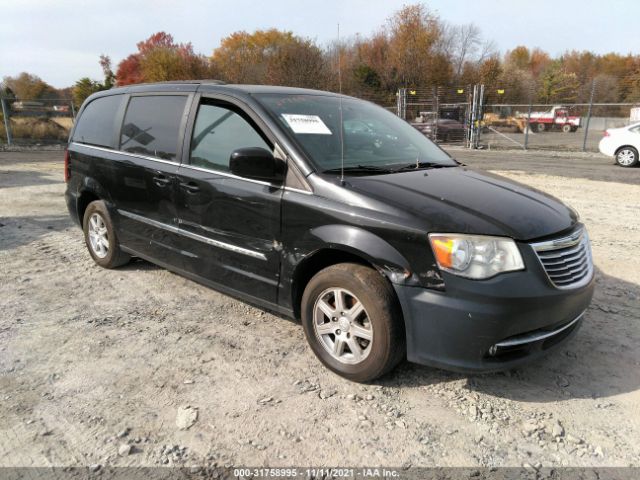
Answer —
(38, 128)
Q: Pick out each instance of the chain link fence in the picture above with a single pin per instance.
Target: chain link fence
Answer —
(509, 116)
(441, 113)
(558, 116)
(36, 122)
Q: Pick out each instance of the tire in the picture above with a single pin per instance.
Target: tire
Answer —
(566, 128)
(100, 237)
(360, 346)
(627, 157)
(540, 127)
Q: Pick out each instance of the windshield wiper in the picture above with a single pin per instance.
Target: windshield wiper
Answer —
(421, 166)
(360, 169)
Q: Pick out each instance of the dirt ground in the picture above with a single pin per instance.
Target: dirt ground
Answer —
(96, 364)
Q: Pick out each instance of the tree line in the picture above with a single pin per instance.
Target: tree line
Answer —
(413, 49)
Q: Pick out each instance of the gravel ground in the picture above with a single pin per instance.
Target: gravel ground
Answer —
(138, 366)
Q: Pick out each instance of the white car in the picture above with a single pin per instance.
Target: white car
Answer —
(622, 143)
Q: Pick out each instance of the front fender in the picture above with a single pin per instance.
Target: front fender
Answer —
(376, 251)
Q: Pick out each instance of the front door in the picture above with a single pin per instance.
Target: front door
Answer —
(230, 225)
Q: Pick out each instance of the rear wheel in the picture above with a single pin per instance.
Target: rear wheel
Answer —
(100, 236)
(540, 127)
(627, 157)
(352, 321)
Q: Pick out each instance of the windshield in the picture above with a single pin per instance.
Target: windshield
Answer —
(374, 138)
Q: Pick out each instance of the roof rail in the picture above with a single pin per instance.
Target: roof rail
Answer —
(169, 82)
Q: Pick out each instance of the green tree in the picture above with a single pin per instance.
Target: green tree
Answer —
(557, 85)
(109, 76)
(367, 76)
(85, 87)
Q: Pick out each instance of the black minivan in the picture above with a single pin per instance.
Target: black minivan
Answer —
(334, 211)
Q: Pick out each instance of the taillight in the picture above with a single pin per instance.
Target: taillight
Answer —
(606, 133)
(67, 173)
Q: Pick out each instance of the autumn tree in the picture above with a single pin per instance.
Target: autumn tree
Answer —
(632, 87)
(159, 58)
(297, 64)
(26, 86)
(129, 71)
(414, 33)
(370, 65)
(490, 70)
(270, 56)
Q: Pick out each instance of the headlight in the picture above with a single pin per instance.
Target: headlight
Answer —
(475, 256)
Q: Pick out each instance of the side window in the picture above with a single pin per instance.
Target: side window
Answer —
(151, 125)
(96, 125)
(218, 131)
(635, 129)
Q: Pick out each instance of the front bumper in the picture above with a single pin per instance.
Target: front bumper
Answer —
(491, 325)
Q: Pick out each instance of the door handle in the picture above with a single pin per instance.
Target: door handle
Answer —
(190, 187)
(161, 180)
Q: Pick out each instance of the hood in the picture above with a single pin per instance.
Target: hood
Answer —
(463, 200)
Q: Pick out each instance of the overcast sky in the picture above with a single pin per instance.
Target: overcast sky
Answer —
(60, 40)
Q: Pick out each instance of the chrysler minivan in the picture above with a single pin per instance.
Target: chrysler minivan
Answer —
(333, 211)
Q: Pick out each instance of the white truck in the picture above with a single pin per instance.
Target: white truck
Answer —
(557, 118)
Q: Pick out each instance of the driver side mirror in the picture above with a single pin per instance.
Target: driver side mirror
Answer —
(257, 164)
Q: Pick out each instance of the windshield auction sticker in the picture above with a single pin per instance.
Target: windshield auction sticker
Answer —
(306, 124)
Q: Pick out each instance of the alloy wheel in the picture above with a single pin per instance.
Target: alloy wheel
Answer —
(626, 157)
(342, 325)
(98, 236)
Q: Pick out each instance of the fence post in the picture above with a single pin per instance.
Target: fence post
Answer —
(527, 126)
(402, 103)
(586, 127)
(7, 123)
(478, 94)
(468, 116)
(436, 110)
(474, 117)
(73, 109)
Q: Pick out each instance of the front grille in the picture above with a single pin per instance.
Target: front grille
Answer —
(567, 260)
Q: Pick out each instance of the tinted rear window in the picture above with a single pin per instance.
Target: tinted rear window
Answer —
(151, 125)
(96, 125)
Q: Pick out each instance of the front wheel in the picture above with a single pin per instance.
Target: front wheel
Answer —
(353, 322)
(566, 128)
(627, 157)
